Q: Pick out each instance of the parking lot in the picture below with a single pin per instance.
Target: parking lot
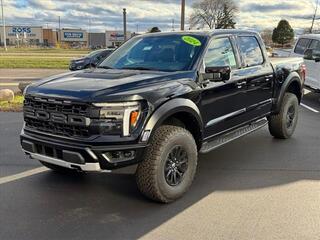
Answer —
(254, 188)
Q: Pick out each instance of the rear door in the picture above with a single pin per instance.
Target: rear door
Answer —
(223, 103)
(259, 76)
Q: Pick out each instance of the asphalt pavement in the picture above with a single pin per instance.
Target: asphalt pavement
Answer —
(256, 187)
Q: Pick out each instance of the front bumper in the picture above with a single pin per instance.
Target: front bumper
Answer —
(82, 157)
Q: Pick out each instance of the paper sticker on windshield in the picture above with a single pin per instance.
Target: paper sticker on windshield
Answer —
(192, 41)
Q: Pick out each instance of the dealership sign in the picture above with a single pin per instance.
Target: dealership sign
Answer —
(73, 35)
(116, 36)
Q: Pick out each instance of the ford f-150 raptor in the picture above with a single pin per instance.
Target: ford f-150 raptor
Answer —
(159, 100)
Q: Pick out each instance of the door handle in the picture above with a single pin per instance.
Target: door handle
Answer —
(268, 78)
(241, 84)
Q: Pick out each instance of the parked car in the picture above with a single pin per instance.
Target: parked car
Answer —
(91, 60)
(308, 46)
(158, 101)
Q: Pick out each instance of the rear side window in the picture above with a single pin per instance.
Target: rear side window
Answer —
(251, 51)
(315, 46)
(301, 46)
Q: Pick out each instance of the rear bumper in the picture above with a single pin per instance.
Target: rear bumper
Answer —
(80, 156)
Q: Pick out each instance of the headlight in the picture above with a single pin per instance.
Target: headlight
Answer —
(123, 115)
(25, 91)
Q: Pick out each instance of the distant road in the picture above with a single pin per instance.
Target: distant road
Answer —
(10, 78)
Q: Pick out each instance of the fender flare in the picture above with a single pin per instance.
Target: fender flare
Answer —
(170, 108)
(293, 77)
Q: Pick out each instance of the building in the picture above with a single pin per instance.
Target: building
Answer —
(97, 40)
(73, 38)
(49, 37)
(17, 34)
(115, 38)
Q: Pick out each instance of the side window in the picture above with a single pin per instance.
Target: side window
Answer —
(251, 51)
(315, 45)
(301, 46)
(220, 53)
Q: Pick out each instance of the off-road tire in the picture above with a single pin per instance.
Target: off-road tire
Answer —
(278, 123)
(150, 174)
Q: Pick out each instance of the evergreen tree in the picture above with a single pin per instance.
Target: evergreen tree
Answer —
(154, 30)
(283, 33)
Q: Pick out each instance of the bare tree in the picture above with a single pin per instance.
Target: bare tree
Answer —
(266, 35)
(214, 14)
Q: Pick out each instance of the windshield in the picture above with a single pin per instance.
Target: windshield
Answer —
(162, 53)
(92, 54)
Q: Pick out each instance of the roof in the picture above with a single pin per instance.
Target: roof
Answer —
(208, 33)
(312, 36)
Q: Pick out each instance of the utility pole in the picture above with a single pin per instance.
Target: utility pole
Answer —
(173, 25)
(125, 24)
(4, 28)
(183, 10)
(314, 16)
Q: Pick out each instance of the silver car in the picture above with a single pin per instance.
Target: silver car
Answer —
(309, 45)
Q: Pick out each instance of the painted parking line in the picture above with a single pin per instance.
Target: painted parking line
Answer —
(14, 78)
(8, 84)
(309, 108)
(21, 175)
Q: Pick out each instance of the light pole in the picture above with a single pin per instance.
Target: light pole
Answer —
(89, 35)
(4, 28)
(125, 24)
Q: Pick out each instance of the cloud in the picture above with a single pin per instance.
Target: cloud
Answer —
(144, 14)
(256, 7)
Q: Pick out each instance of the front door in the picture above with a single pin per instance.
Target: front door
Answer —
(222, 103)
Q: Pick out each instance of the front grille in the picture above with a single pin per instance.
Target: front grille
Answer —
(57, 128)
(58, 117)
(53, 105)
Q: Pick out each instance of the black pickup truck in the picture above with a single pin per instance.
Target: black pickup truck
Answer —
(159, 100)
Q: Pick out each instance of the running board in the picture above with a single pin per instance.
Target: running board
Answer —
(230, 136)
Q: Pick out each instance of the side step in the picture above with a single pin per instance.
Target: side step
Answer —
(230, 136)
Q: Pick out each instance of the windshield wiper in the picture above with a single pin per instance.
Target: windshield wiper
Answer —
(140, 68)
(105, 67)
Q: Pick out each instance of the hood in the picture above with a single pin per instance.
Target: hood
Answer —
(84, 59)
(98, 85)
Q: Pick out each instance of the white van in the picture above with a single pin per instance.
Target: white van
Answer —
(309, 45)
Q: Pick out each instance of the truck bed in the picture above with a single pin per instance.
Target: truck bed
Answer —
(285, 60)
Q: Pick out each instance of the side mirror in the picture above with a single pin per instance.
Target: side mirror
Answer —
(93, 65)
(308, 54)
(217, 74)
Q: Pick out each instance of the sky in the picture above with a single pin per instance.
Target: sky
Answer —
(144, 14)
